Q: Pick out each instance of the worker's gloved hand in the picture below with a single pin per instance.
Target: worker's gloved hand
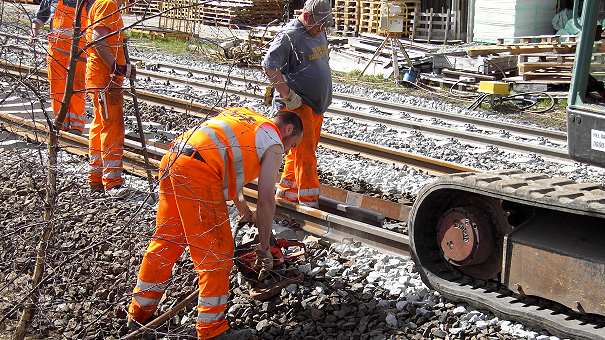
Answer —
(293, 102)
(36, 27)
(126, 71)
(263, 263)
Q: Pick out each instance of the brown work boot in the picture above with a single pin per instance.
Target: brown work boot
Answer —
(134, 326)
(120, 192)
(75, 132)
(237, 334)
(96, 188)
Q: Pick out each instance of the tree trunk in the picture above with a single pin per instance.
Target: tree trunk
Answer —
(51, 183)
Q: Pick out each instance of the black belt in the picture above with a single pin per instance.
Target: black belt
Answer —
(187, 150)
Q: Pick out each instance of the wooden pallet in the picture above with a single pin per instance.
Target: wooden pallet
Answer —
(346, 17)
(516, 50)
(435, 27)
(538, 64)
(145, 7)
(369, 17)
(548, 74)
(230, 13)
(537, 40)
(31, 2)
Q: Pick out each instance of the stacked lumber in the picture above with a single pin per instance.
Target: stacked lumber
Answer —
(346, 17)
(32, 2)
(433, 26)
(185, 14)
(238, 12)
(370, 13)
(548, 66)
(369, 16)
(176, 15)
(537, 40)
(145, 7)
(541, 59)
(520, 49)
(263, 35)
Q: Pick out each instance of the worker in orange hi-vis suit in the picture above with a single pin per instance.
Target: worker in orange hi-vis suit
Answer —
(297, 65)
(105, 72)
(59, 46)
(205, 167)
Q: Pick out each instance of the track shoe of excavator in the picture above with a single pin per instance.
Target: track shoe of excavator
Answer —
(527, 247)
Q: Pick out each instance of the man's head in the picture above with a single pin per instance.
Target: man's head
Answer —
(316, 16)
(290, 127)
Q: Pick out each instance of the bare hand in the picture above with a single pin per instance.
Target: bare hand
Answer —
(247, 216)
(263, 263)
(34, 32)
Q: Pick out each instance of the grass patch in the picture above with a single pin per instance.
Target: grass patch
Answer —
(171, 45)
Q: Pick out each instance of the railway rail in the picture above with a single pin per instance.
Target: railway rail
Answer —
(534, 312)
(522, 138)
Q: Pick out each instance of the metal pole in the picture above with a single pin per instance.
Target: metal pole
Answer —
(137, 114)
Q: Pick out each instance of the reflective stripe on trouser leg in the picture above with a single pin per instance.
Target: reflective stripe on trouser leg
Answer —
(165, 248)
(74, 122)
(305, 160)
(205, 219)
(95, 168)
(110, 134)
(309, 197)
(286, 188)
(112, 169)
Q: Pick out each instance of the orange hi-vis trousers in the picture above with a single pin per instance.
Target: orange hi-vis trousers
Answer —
(59, 47)
(106, 138)
(300, 181)
(192, 212)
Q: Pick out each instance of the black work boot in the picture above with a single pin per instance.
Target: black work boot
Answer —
(237, 334)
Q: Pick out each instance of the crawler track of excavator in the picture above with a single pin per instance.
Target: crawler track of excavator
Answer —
(527, 247)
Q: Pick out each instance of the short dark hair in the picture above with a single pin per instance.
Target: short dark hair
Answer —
(288, 117)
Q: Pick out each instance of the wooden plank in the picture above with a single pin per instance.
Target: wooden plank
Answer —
(468, 74)
(516, 50)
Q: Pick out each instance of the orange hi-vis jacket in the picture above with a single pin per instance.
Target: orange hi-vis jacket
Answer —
(63, 23)
(226, 144)
(104, 13)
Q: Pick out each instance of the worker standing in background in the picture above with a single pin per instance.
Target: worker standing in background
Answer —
(297, 65)
(205, 167)
(59, 47)
(105, 72)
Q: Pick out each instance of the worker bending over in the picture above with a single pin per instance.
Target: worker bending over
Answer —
(207, 166)
(63, 13)
(297, 65)
(105, 72)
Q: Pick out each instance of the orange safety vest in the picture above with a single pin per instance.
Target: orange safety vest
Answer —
(63, 23)
(227, 143)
